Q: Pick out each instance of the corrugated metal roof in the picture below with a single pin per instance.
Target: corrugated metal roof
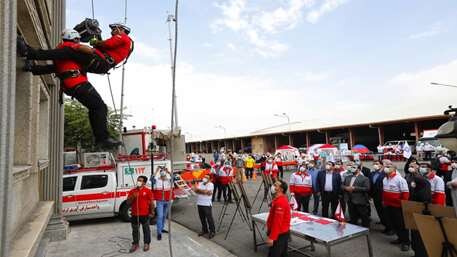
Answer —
(312, 125)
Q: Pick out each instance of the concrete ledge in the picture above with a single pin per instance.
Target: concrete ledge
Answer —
(27, 239)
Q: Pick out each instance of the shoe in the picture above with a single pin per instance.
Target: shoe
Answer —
(404, 247)
(396, 242)
(159, 237)
(109, 143)
(133, 248)
(28, 65)
(22, 47)
(389, 232)
(202, 233)
(211, 235)
(164, 231)
(146, 247)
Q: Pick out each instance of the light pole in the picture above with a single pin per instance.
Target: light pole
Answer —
(444, 85)
(284, 115)
(223, 128)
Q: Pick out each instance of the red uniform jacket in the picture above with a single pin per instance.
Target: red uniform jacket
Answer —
(225, 175)
(301, 183)
(395, 189)
(163, 191)
(68, 65)
(437, 187)
(271, 169)
(278, 221)
(140, 205)
(117, 46)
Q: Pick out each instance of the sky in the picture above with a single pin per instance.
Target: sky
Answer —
(240, 62)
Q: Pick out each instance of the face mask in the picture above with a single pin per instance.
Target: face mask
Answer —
(387, 170)
(270, 161)
(163, 173)
(351, 169)
(205, 180)
(337, 166)
(376, 167)
(273, 190)
(139, 184)
(327, 167)
(454, 165)
(423, 171)
(411, 169)
(311, 165)
(302, 169)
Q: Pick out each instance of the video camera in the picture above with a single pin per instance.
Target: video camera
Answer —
(88, 29)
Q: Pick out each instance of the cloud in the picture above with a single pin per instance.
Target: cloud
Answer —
(314, 77)
(231, 46)
(147, 52)
(327, 7)
(433, 30)
(259, 25)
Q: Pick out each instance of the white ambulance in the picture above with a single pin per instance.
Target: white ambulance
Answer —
(100, 188)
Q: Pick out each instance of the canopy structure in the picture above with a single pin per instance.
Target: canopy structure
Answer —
(360, 149)
(289, 153)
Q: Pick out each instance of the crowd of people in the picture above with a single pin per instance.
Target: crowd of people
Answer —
(349, 184)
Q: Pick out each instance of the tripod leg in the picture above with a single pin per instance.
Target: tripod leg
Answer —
(231, 222)
(223, 213)
(258, 191)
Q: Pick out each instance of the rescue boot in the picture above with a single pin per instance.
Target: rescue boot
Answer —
(21, 47)
(109, 143)
(146, 247)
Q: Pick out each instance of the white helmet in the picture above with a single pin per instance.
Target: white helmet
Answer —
(120, 25)
(70, 34)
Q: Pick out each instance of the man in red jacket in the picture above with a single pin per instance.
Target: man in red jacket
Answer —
(74, 83)
(141, 201)
(105, 55)
(395, 189)
(278, 222)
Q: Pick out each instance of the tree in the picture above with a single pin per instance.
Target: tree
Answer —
(77, 130)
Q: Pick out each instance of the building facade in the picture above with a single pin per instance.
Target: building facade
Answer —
(31, 131)
(370, 134)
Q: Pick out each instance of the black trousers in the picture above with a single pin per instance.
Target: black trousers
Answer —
(216, 190)
(380, 210)
(91, 62)
(225, 191)
(281, 171)
(303, 202)
(279, 248)
(329, 199)
(395, 217)
(136, 221)
(417, 244)
(248, 172)
(206, 218)
(89, 97)
(316, 199)
(358, 211)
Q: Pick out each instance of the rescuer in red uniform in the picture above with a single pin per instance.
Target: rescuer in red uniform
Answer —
(105, 55)
(278, 222)
(74, 83)
(141, 201)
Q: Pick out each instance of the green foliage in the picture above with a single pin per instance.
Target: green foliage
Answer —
(77, 130)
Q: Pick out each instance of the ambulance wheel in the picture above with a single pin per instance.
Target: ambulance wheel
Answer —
(125, 212)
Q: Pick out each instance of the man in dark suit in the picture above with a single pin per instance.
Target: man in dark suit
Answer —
(376, 178)
(330, 187)
(356, 187)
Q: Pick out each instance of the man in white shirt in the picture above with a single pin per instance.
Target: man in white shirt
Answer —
(204, 191)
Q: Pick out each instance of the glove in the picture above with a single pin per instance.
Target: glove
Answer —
(93, 41)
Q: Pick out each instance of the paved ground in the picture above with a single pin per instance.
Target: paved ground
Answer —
(112, 238)
(240, 241)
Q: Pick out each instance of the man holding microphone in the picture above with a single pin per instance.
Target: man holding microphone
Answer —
(142, 204)
(278, 222)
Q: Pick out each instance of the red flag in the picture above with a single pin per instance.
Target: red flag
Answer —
(339, 213)
(293, 203)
